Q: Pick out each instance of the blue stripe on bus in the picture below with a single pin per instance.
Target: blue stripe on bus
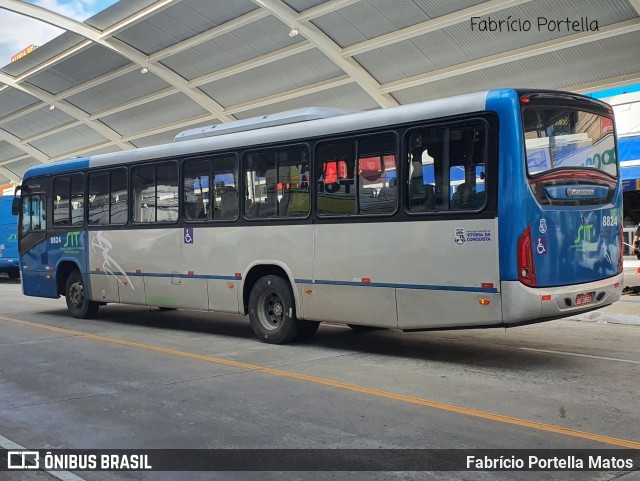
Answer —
(400, 286)
(57, 168)
(333, 283)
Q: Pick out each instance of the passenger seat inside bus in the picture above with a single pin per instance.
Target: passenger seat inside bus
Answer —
(229, 203)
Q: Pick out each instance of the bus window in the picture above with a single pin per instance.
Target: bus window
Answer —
(34, 216)
(447, 168)
(467, 160)
(225, 173)
(276, 183)
(377, 185)
(77, 200)
(61, 186)
(108, 197)
(144, 193)
(293, 196)
(155, 191)
(197, 195)
(426, 160)
(167, 192)
(98, 198)
(68, 201)
(336, 192)
(118, 205)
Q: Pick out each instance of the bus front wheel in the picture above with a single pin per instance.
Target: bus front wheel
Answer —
(272, 312)
(78, 304)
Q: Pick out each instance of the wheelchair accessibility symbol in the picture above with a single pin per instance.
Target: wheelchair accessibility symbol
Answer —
(541, 248)
(188, 235)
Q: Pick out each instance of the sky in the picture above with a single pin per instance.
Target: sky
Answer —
(18, 32)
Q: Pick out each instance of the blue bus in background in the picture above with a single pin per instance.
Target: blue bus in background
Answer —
(9, 260)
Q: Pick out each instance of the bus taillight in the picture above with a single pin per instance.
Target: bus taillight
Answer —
(526, 267)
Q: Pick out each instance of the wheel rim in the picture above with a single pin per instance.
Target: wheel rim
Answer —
(76, 294)
(270, 310)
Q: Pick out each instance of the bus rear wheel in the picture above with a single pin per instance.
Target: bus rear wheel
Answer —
(78, 304)
(272, 312)
(14, 273)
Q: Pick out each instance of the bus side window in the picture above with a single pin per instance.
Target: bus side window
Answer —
(336, 191)
(293, 198)
(426, 160)
(98, 198)
(377, 184)
(197, 190)
(61, 188)
(260, 173)
(225, 187)
(144, 193)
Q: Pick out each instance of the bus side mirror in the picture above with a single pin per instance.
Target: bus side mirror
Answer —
(15, 206)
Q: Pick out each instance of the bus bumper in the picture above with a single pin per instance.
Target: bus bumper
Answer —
(521, 303)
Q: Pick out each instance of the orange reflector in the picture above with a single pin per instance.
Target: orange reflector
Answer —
(487, 285)
(238, 274)
(190, 273)
(366, 280)
(48, 276)
(308, 291)
(484, 301)
(546, 297)
(525, 100)
(138, 271)
(230, 285)
(617, 284)
(638, 271)
(97, 269)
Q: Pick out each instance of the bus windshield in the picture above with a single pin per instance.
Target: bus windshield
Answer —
(561, 137)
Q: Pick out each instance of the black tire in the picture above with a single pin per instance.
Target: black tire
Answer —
(14, 274)
(79, 306)
(272, 312)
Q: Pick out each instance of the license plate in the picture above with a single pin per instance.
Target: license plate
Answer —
(584, 299)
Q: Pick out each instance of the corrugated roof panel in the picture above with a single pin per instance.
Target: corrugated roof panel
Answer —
(12, 100)
(458, 43)
(36, 122)
(20, 167)
(117, 91)
(7, 151)
(43, 53)
(165, 137)
(182, 21)
(68, 141)
(287, 74)
(159, 112)
(86, 65)
(102, 150)
(245, 43)
(368, 19)
(590, 62)
(349, 96)
(302, 5)
(117, 12)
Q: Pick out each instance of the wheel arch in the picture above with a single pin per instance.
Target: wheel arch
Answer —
(259, 269)
(64, 267)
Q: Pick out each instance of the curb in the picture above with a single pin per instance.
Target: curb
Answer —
(609, 318)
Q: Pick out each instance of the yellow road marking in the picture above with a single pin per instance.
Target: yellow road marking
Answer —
(349, 387)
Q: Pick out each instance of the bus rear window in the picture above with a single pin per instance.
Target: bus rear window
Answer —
(561, 137)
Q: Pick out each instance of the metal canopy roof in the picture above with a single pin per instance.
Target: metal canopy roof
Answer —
(212, 61)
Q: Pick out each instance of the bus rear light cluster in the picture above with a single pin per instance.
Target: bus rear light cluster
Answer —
(526, 266)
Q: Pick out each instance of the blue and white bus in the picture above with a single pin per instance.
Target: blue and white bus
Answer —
(496, 208)
(9, 260)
